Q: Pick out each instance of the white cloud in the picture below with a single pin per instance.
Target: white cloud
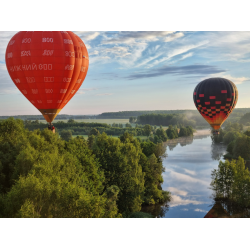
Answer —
(189, 171)
(227, 46)
(186, 55)
(105, 94)
(178, 51)
(88, 35)
(200, 210)
(187, 178)
(116, 51)
(177, 191)
(80, 92)
(132, 36)
(235, 80)
(173, 37)
(178, 201)
(89, 89)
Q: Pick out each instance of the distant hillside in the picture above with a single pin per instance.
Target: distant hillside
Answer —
(59, 117)
(235, 116)
(127, 114)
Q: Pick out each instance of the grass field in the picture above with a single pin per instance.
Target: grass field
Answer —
(108, 121)
(114, 136)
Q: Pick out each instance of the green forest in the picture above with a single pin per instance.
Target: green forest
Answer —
(154, 134)
(231, 181)
(42, 175)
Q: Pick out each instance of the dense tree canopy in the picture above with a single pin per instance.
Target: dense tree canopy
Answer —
(42, 175)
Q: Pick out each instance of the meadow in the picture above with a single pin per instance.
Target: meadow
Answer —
(108, 121)
(142, 137)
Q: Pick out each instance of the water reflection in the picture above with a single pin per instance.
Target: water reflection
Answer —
(227, 209)
(217, 151)
(187, 175)
(158, 210)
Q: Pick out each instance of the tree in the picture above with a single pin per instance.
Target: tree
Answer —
(172, 132)
(13, 137)
(147, 129)
(161, 133)
(127, 125)
(230, 147)
(120, 163)
(247, 132)
(66, 135)
(71, 121)
(232, 181)
(132, 119)
(230, 136)
(94, 131)
(58, 180)
(242, 147)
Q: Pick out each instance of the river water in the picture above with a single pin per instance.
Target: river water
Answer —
(187, 176)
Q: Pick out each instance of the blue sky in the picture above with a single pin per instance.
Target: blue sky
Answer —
(144, 70)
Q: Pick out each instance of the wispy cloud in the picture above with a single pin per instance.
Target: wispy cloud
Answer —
(173, 37)
(177, 191)
(187, 178)
(200, 210)
(178, 201)
(235, 80)
(104, 94)
(189, 171)
(132, 36)
(179, 70)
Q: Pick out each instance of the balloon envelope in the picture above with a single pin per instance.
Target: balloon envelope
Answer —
(48, 67)
(215, 99)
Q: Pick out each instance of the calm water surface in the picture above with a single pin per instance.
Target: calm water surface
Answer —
(187, 176)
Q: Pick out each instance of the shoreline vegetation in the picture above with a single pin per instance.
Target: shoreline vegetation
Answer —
(231, 181)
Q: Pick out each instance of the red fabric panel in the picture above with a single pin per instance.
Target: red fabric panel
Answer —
(48, 67)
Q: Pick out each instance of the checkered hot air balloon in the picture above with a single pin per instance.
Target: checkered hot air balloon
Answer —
(215, 99)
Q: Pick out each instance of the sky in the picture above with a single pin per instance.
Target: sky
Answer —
(144, 70)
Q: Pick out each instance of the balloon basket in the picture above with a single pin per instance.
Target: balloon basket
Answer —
(215, 132)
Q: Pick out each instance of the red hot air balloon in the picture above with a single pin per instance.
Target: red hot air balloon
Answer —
(215, 99)
(48, 67)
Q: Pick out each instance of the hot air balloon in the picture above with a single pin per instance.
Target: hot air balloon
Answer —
(215, 99)
(48, 67)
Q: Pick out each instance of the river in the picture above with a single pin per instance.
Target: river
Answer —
(187, 176)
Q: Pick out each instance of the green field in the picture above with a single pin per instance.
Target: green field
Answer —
(108, 121)
(114, 136)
